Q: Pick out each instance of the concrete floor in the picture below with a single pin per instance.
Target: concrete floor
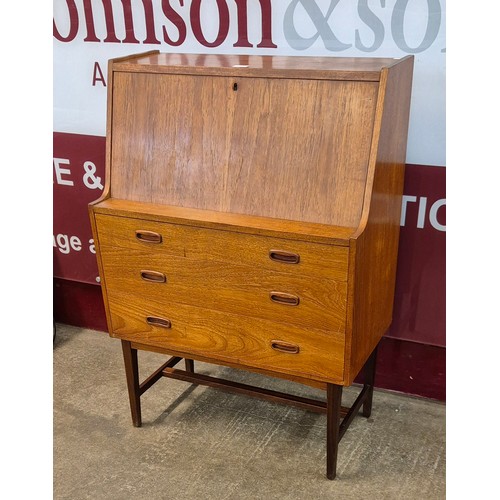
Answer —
(198, 442)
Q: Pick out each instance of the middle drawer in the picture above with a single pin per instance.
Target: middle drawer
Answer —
(239, 289)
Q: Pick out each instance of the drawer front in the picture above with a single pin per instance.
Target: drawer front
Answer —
(285, 297)
(271, 254)
(236, 339)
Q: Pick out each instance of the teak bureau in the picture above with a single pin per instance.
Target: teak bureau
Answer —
(250, 218)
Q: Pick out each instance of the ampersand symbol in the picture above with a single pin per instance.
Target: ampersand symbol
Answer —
(319, 20)
(89, 179)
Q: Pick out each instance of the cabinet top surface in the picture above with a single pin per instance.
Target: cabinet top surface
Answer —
(334, 68)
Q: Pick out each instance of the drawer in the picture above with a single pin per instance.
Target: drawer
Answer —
(250, 291)
(315, 260)
(252, 342)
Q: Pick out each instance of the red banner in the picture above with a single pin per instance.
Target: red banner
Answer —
(420, 301)
(78, 176)
(419, 307)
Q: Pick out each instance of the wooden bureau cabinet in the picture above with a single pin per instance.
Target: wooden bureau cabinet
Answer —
(251, 218)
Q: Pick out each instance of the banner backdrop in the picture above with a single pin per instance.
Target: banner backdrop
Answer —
(87, 33)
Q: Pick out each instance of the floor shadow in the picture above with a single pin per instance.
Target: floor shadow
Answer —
(172, 406)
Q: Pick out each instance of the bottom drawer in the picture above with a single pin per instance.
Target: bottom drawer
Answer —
(241, 340)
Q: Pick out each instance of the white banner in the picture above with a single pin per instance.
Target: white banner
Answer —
(89, 32)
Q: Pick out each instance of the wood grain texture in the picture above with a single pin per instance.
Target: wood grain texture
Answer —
(232, 364)
(93, 226)
(225, 221)
(373, 257)
(316, 261)
(230, 287)
(109, 114)
(223, 150)
(305, 157)
(107, 177)
(177, 157)
(319, 176)
(229, 337)
(323, 68)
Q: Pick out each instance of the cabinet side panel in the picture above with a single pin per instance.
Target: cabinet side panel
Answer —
(95, 233)
(374, 252)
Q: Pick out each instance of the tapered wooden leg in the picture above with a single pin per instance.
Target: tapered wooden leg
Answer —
(333, 402)
(369, 375)
(189, 365)
(132, 374)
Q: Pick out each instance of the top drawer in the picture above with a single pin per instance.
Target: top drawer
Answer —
(274, 254)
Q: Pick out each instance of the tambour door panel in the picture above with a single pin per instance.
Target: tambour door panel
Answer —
(250, 291)
(315, 260)
(237, 339)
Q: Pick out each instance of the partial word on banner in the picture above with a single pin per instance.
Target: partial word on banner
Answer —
(213, 23)
(64, 174)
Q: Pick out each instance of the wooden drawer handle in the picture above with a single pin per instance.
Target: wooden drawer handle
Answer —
(279, 345)
(155, 321)
(284, 298)
(148, 236)
(284, 257)
(153, 276)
